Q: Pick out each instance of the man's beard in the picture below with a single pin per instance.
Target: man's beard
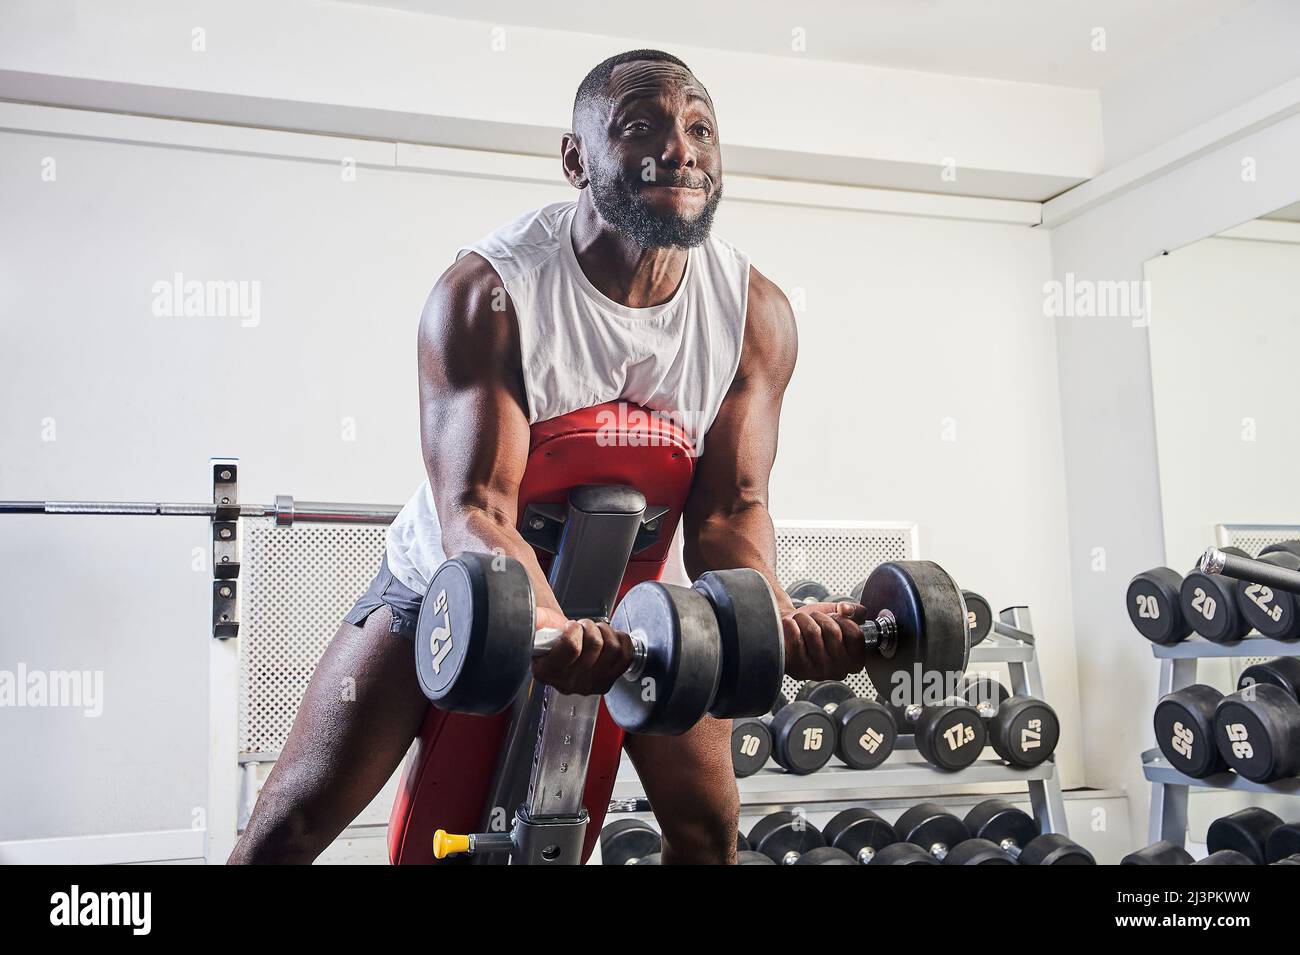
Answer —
(620, 203)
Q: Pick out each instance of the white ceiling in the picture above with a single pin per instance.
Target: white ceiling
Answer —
(1289, 213)
(1037, 41)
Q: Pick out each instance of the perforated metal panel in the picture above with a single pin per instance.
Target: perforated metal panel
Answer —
(1252, 538)
(840, 555)
(298, 582)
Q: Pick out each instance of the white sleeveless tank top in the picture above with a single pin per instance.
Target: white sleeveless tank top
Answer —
(579, 349)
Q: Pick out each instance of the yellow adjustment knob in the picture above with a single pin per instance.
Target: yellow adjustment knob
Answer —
(445, 844)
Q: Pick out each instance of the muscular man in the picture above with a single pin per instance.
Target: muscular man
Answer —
(623, 294)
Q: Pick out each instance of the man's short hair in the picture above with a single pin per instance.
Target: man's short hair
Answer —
(593, 85)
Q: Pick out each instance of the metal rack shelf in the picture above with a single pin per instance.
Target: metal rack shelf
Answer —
(835, 785)
(1254, 645)
(1157, 769)
(1170, 788)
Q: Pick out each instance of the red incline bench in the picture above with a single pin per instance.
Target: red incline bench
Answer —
(464, 773)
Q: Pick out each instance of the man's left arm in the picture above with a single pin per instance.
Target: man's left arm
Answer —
(726, 522)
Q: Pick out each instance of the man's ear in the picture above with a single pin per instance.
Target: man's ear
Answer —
(572, 162)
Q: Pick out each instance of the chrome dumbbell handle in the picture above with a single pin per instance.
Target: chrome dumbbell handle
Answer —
(1215, 561)
(545, 639)
(882, 633)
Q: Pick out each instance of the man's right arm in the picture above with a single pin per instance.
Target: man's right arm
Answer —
(474, 435)
(473, 426)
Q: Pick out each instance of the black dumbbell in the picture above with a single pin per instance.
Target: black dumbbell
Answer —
(949, 736)
(1257, 729)
(1289, 860)
(632, 842)
(1224, 857)
(1166, 853)
(1184, 725)
(1208, 602)
(1164, 606)
(825, 855)
(979, 616)
(1014, 832)
(751, 745)
(716, 647)
(628, 842)
(807, 592)
(1023, 730)
(1283, 842)
(916, 625)
(975, 851)
(1273, 612)
(785, 837)
(927, 832)
(1154, 607)
(865, 730)
(802, 734)
(1246, 831)
(860, 833)
(750, 857)
(1158, 853)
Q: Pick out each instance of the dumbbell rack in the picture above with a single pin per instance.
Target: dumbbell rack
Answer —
(1170, 788)
(836, 786)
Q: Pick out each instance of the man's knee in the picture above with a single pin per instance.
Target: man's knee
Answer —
(705, 834)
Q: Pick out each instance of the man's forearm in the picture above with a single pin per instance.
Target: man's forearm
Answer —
(738, 538)
(478, 529)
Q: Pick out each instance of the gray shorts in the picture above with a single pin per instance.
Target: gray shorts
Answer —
(387, 590)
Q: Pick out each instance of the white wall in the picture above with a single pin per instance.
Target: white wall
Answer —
(909, 321)
(1225, 330)
(1108, 422)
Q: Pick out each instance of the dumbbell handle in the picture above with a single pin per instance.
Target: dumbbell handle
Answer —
(545, 639)
(1215, 561)
(913, 712)
(881, 633)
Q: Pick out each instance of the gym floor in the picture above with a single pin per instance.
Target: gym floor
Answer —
(1043, 267)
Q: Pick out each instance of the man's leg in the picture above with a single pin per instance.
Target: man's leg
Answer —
(361, 711)
(692, 789)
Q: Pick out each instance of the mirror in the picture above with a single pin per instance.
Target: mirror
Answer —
(1225, 338)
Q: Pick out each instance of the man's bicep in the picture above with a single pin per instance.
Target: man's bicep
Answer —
(738, 452)
(474, 430)
(740, 448)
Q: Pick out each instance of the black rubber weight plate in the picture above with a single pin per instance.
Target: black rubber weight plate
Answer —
(806, 590)
(1028, 732)
(1209, 604)
(474, 635)
(751, 745)
(673, 690)
(1184, 726)
(1154, 607)
(979, 616)
(932, 628)
(753, 648)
